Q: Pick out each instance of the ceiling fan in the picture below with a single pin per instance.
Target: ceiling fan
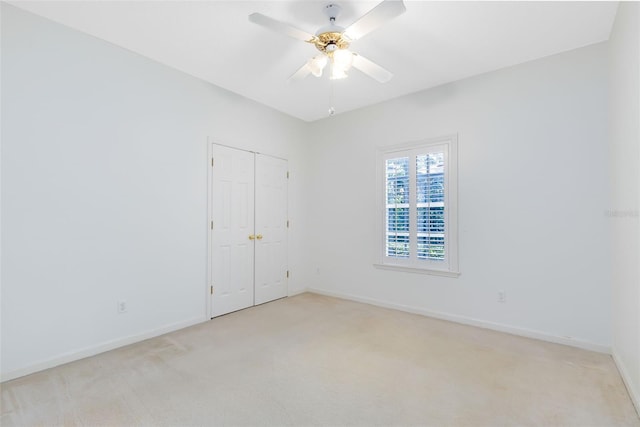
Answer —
(333, 41)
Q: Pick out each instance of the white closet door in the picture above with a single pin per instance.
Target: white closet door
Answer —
(271, 229)
(232, 248)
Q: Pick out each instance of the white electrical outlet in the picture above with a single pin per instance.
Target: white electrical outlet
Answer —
(502, 296)
(122, 306)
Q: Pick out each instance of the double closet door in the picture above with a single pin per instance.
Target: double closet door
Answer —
(248, 229)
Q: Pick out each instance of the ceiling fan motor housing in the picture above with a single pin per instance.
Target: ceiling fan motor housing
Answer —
(329, 38)
(330, 41)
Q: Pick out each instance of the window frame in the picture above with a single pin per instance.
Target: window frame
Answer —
(449, 266)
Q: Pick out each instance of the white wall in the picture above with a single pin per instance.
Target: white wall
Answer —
(104, 175)
(533, 178)
(104, 191)
(625, 192)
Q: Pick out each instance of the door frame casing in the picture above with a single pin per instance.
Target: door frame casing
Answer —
(209, 284)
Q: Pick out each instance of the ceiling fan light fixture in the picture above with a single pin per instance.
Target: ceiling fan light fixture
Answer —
(343, 58)
(337, 73)
(333, 41)
(317, 64)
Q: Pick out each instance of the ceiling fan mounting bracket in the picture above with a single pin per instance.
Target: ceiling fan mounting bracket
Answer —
(332, 10)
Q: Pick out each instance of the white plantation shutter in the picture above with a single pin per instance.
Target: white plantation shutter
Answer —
(430, 203)
(419, 206)
(397, 207)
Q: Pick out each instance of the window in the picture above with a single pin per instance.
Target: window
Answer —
(417, 189)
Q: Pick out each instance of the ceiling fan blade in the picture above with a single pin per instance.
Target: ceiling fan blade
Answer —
(375, 18)
(280, 27)
(302, 72)
(371, 69)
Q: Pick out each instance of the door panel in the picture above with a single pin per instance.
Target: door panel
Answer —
(232, 251)
(271, 224)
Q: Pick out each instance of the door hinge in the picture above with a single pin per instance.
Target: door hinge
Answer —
(211, 287)
(212, 162)
(212, 225)
(287, 274)
(287, 223)
(287, 174)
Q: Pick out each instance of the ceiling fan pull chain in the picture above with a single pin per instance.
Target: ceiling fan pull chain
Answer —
(332, 109)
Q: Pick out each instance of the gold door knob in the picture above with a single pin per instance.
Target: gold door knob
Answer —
(259, 237)
(252, 237)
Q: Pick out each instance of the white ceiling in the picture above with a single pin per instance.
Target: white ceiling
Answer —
(430, 44)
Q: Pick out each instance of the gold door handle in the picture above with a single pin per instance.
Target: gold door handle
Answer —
(252, 237)
(259, 237)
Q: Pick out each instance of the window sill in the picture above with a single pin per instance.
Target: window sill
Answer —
(433, 272)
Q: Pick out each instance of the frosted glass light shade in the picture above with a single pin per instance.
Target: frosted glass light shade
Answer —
(317, 64)
(343, 58)
(337, 72)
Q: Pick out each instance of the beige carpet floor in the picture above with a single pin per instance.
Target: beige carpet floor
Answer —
(314, 360)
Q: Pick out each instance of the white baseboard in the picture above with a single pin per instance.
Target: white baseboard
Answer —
(297, 292)
(110, 345)
(634, 392)
(100, 348)
(471, 321)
